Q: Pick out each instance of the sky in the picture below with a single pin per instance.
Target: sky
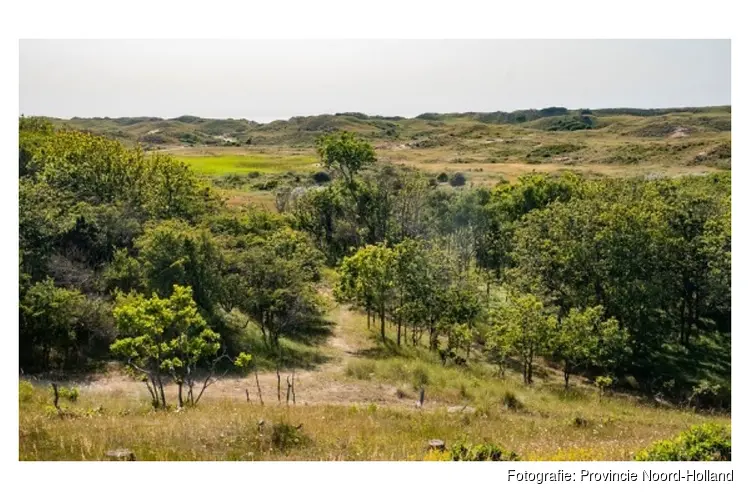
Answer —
(264, 80)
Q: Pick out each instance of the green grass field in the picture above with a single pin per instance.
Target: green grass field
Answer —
(243, 164)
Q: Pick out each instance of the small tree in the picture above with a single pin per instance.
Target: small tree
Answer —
(525, 328)
(346, 154)
(166, 338)
(368, 277)
(583, 337)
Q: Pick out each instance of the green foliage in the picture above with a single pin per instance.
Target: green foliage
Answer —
(286, 436)
(485, 452)
(123, 273)
(69, 393)
(345, 153)
(164, 337)
(583, 337)
(174, 253)
(367, 279)
(60, 328)
(707, 442)
(457, 179)
(25, 391)
(524, 327)
(604, 383)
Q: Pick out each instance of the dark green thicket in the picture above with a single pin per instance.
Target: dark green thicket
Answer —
(97, 218)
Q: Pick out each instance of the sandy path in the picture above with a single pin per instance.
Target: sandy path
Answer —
(325, 384)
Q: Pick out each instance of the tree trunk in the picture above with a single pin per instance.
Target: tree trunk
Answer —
(566, 374)
(179, 394)
(382, 322)
(531, 361)
(278, 382)
(398, 336)
(682, 321)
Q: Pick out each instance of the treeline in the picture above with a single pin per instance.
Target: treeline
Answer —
(100, 223)
(621, 278)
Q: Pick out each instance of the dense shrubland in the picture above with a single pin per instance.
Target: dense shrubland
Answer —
(626, 280)
(100, 222)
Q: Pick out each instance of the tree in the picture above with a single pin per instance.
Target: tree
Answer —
(174, 253)
(524, 328)
(49, 319)
(166, 337)
(368, 277)
(346, 154)
(584, 337)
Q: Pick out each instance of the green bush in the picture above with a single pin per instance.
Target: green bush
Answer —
(458, 179)
(65, 393)
(442, 177)
(487, 452)
(419, 377)
(285, 436)
(25, 391)
(707, 442)
(321, 177)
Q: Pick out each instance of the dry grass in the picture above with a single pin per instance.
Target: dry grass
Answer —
(357, 406)
(229, 429)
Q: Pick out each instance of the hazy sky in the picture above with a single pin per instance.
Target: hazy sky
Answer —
(267, 80)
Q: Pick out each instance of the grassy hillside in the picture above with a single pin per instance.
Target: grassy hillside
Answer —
(672, 137)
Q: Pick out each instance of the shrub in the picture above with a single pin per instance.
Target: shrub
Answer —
(65, 393)
(707, 442)
(419, 377)
(442, 177)
(69, 394)
(708, 395)
(486, 452)
(603, 383)
(511, 401)
(25, 391)
(458, 179)
(321, 177)
(285, 436)
(579, 421)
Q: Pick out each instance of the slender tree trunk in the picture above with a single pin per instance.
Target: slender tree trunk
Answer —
(398, 337)
(382, 322)
(179, 395)
(566, 374)
(278, 382)
(531, 363)
(682, 321)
